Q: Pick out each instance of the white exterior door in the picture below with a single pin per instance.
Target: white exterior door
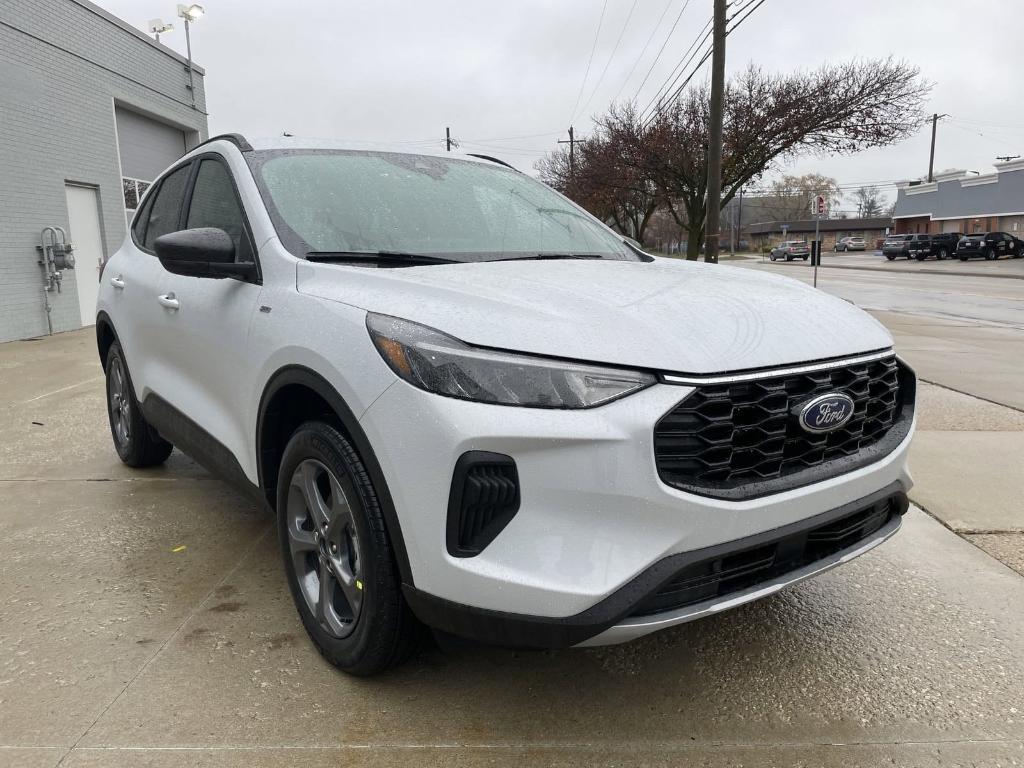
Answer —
(84, 234)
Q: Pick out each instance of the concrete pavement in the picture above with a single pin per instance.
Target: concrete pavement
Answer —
(118, 648)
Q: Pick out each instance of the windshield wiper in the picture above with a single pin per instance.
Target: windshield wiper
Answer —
(378, 256)
(552, 256)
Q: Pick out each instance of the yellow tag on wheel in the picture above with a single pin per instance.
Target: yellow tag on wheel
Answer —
(359, 584)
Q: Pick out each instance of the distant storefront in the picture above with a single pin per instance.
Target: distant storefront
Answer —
(964, 201)
(830, 231)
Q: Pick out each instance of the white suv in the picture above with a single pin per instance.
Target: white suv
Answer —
(475, 407)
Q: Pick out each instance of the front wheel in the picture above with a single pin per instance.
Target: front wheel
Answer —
(338, 559)
(771, 257)
(942, 254)
(890, 257)
(990, 254)
(136, 442)
(921, 257)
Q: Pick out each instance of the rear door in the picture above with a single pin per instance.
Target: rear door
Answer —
(206, 337)
(136, 278)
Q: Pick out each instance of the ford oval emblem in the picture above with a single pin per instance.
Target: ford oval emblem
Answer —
(825, 413)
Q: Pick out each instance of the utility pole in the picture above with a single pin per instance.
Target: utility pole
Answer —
(931, 155)
(448, 138)
(572, 154)
(714, 192)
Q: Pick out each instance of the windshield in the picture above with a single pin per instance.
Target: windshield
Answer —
(334, 201)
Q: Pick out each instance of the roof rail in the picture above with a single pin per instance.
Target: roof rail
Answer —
(493, 160)
(235, 138)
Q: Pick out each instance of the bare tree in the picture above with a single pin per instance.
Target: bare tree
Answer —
(789, 197)
(608, 178)
(837, 109)
(869, 202)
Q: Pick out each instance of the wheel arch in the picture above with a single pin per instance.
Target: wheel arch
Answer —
(295, 394)
(105, 336)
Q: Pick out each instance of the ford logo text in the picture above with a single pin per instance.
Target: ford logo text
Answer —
(825, 413)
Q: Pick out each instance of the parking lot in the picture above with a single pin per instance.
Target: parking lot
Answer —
(146, 622)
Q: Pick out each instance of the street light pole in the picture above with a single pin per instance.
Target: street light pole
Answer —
(190, 13)
(188, 49)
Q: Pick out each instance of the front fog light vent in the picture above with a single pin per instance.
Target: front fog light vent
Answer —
(483, 499)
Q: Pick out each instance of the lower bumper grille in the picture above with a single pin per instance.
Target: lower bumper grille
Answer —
(736, 571)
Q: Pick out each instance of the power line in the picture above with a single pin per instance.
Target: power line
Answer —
(680, 68)
(662, 49)
(642, 51)
(749, 8)
(590, 61)
(607, 64)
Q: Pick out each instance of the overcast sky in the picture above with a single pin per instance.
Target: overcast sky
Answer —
(506, 76)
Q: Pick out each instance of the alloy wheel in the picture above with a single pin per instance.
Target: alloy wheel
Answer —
(120, 404)
(325, 548)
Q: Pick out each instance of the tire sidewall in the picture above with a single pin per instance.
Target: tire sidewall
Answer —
(352, 653)
(125, 452)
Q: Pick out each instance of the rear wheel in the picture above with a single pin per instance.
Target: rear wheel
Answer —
(338, 558)
(942, 254)
(990, 254)
(963, 257)
(921, 257)
(890, 257)
(136, 442)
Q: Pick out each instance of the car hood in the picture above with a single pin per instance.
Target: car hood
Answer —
(667, 315)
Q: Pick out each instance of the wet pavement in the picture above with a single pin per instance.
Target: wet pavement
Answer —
(145, 621)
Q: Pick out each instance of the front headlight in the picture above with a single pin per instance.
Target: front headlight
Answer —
(436, 362)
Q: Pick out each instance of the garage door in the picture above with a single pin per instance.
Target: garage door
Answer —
(951, 226)
(147, 147)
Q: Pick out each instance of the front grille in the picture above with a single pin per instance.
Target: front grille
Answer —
(736, 571)
(739, 440)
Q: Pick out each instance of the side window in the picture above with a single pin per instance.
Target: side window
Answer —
(139, 229)
(166, 206)
(215, 204)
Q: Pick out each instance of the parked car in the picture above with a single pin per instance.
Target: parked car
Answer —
(919, 246)
(473, 406)
(791, 249)
(989, 245)
(943, 245)
(851, 244)
(896, 245)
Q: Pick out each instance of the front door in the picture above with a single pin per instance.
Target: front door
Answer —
(206, 333)
(84, 234)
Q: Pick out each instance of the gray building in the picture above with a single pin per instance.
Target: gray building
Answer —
(963, 201)
(91, 110)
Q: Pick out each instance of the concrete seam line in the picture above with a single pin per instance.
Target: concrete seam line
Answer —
(209, 595)
(968, 394)
(591, 746)
(964, 536)
(56, 391)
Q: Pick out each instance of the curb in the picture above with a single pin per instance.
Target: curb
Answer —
(923, 271)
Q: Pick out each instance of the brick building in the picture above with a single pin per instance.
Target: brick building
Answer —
(91, 109)
(829, 231)
(962, 201)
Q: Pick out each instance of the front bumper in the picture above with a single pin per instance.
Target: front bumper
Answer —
(594, 519)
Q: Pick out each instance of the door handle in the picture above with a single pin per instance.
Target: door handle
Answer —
(168, 300)
(117, 282)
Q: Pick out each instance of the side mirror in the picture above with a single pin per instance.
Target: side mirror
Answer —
(202, 252)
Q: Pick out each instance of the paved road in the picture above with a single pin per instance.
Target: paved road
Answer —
(118, 647)
(965, 332)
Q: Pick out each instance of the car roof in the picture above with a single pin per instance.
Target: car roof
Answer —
(245, 144)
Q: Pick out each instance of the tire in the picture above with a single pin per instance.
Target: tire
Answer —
(963, 258)
(365, 626)
(805, 258)
(990, 254)
(789, 258)
(136, 442)
(942, 254)
(890, 257)
(771, 257)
